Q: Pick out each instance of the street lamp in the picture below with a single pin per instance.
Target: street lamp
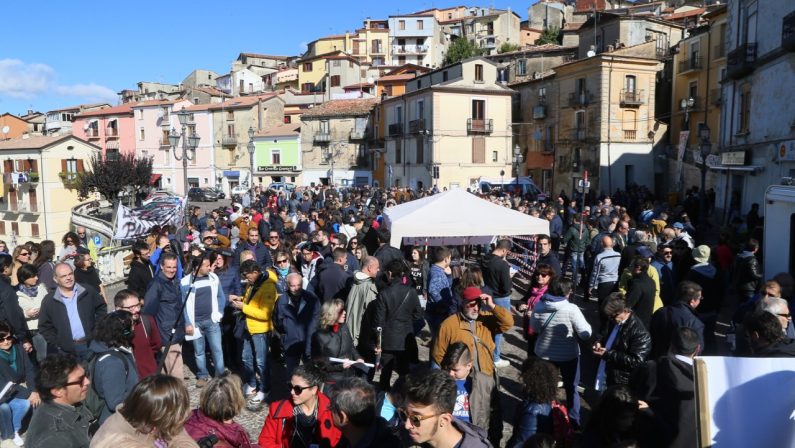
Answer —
(251, 148)
(706, 150)
(189, 143)
(687, 104)
(517, 159)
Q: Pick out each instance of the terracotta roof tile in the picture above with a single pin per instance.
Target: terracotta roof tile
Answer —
(37, 142)
(80, 106)
(242, 101)
(123, 109)
(395, 78)
(342, 108)
(282, 130)
(357, 86)
(264, 56)
(681, 15)
(150, 103)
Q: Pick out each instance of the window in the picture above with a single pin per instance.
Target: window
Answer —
(335, 80)
(164, 137)
(420, 109)
(2, 227)
(745, 110)
(34, 230)
(398, 151)
(629, 83)
(575, 160)
(521, 67)
(307, 87)
(401, 24)
(494, 156)
(375, 46)
(230, 130)
(420, 24)
(444, 76)
(15, 228)
(335, 63)
(692, 92)
(478, 72)
(307, 66)
(230, 115)
(276, 157)
(580, 87)
(420, 150)
(142, 135)
(32, 199)
(140, 113)
(478, 150)
(350, 64)
(401, 60)
(579, 119)
(288, 119)
(478, 109)
(695, 49)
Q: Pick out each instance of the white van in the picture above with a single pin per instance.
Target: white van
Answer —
(779, 228)
(486, 184)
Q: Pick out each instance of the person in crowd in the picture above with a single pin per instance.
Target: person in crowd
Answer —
(560, 325)
(664, 266)
(229, 280)
(295, 318)
(68, 314)
(146, 337)
(419, 272)
(667, 385)
(779, 308)
(363, 293)
(113, 374)
(141, 271)
(441, 300)
(282, 268)
(681, 234)
(220, 402)
(428, 413)
(30, 294)
(257, 306)
(166, 245)
(353, 408)
(682, 259)
(539, 284)
(153, 414)
(555, 228)
(360, 253)
(641, 291)
(21, 256)
(163, 301)
(604, 275)
(576, 241)
(303, 420)
(10, 310)
(478, 319)
(333, 340)
(17, 369)
(680, 314)
(624, 346)
(385, 252)
(396, 309)
(621, 237)
(620, 419)
(60, 420)
(333, 281)
(767, 340)
(747, 274)
(253, 243)
(533, 416)
(475, 391)
(546, 255)
(310, 262)
(71, 247)
(87, 274)
(205, 302)
(497, 276)
(45, 265)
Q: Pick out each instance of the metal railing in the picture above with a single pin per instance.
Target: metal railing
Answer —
(579, 134)
(416, 125)
(740, 61)
(631, 97)
(396, 129)
(358, 134)
(630, 134)
(92, 133)
(480, 126)
(111, 133)
(229, 140)
(322, 137)
(687, 65)
(577, 99)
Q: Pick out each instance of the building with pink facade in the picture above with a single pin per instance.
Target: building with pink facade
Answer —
(111, 129)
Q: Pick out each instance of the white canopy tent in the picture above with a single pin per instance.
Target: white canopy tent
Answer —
(457, 217)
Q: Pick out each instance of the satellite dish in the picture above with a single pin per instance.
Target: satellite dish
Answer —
(6, 129)
(591, 53)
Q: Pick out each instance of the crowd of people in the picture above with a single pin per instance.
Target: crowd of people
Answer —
(306, 281)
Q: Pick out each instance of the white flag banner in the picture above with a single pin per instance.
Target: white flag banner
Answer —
(134, 223)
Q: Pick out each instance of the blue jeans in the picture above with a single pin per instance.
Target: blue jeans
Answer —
(570, 371)
(577, 260)
(504, 302)
(16, 409)
(256, 346)
(211, 333)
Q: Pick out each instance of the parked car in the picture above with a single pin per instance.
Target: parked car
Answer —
(202, 195)
(282, 186)
(239, 190)
(160, 196)
(218, 191)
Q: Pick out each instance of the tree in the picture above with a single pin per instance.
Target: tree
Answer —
(461, 49)
(508, 47)
(110, 176)
(549, 36)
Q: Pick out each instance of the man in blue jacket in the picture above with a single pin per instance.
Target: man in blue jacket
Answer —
(441, 302)
(295, 316)
(163, 301)
(263, 255)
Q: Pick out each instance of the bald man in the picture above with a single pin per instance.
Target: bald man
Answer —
(362, 293)
(295, 317)
(605, 271)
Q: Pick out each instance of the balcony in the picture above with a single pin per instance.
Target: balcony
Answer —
(409, 49)
(719, 51)
(363, 161)
(580, 99)
(92, 134)
(164, 143)
(416, 126)
(631, 98)
(579, 134)
(548, 147)
(229, 140)
(377, 51)
(111, 133)
(788, 32)
(740, 61)
(692, 64)
(23, 179)
(396, 129)
(480, 126)
(630, 134)
(539, 112)
(358, 134)
(322, 137)
(715, 97)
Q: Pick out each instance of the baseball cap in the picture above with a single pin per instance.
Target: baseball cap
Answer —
(644, 251)
(471, 293)
(679, 225)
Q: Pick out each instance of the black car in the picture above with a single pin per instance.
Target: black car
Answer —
(218, 191)
(202, 195)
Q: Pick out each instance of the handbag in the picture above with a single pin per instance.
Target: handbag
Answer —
(240, 330)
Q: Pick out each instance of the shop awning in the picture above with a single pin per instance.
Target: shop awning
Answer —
(743, 168)
(155, 177)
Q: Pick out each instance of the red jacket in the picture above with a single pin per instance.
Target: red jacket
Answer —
(279, 425)
(145, 345)
(229, 435)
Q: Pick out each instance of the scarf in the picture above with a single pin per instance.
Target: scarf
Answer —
(283, 271)
(10, 357)
(30, 291)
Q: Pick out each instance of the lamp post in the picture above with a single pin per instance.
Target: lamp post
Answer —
(517, 159)
(251, 149)
(706, 149)
(686, 104)
(189, 143)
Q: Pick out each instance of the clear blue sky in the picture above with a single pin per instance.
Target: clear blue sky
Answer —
(62, 53)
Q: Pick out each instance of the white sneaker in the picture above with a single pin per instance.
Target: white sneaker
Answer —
(18, 440)
(502, 363)
(248, 390)
(257, 398)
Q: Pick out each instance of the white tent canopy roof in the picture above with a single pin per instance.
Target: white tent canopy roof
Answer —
(457, 217)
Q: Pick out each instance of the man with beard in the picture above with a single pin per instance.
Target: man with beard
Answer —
(146, 337)
(295, 318)
(141, 271)
(163, 301)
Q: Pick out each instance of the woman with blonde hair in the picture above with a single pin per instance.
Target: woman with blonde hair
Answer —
(22, 255)
(152, 415)
(221, 400)
(333, 340)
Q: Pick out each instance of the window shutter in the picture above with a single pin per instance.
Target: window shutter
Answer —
(63, 165)
(478, 150)
(34, 166)
(2, 227)
(80, 167)
(8, 166)
(34, 230)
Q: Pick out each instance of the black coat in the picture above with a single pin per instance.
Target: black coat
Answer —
(24, 373)
(630, 349)
(54, 320)
(497, 275)
(667, 319)
(332, 281)
(328, 343)
(141, 275)
(396, 309)
(163, 301)
(550, 259)
(11, 312)
(640, 297)
(386, 254)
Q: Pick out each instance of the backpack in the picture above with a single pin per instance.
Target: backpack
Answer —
(94, 402)
(562, 431)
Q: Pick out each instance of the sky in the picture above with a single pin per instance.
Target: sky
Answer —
(57, 54)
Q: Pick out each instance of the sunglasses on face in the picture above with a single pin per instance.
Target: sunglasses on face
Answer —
(473, 303)
(414, 419)
(282, 261)
(542, 275)
(297, 390)
(24, 254)
(7, 337)
(78, 382)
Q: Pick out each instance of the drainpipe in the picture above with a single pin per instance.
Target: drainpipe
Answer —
(44, 191)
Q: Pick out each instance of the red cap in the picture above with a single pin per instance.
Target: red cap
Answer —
(471, 293)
